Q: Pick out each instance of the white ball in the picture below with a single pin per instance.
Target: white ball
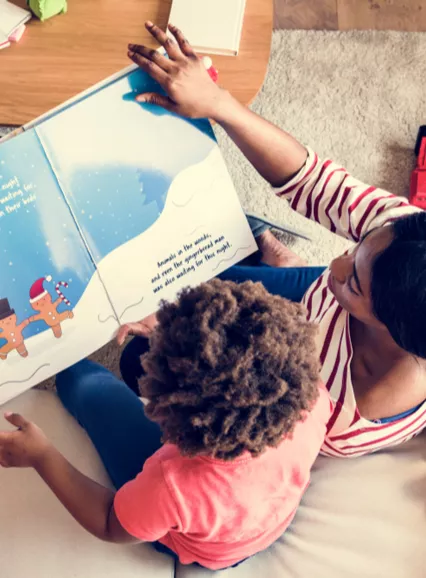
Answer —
(48, 278)
(208, 62)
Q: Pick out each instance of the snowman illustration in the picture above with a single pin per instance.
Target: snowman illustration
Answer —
(41, 301)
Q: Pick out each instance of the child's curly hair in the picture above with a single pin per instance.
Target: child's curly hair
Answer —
(231, 368)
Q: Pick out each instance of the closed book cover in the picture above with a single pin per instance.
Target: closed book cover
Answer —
(11, 18)
(211, 26)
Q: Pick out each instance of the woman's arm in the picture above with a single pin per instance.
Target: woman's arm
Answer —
(275, 154)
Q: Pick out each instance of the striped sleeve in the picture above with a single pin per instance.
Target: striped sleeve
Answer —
(326, 193)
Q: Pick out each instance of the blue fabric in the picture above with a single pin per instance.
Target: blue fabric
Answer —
(289, 282)
(113, 417)
(398, 416)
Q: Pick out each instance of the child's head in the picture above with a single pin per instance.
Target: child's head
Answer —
(231, 369)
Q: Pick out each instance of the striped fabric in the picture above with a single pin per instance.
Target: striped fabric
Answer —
(326, 193)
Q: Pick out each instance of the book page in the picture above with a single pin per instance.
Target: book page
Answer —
(150, 193)
(53, 307)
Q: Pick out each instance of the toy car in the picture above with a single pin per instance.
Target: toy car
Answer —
(418, 176)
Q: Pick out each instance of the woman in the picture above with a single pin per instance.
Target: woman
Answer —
(370, 304)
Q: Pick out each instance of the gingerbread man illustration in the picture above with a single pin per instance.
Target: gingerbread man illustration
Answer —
(41, 301)
(11, 331)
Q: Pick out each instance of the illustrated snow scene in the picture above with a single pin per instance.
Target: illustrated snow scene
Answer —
(106, 208)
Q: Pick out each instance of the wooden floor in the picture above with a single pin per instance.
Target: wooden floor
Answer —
(407, 15)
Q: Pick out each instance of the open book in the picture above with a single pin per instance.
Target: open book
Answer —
(107, 206)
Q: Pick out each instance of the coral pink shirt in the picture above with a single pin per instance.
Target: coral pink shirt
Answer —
(218, 513)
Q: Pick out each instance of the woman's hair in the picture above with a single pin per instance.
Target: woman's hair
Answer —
(230, 369)
(398, 284)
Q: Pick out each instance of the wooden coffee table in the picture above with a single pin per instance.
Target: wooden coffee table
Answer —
(59, 58)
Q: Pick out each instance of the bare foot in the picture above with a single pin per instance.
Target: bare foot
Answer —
(275, 254)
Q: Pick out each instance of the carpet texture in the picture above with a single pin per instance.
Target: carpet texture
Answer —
(356, 97)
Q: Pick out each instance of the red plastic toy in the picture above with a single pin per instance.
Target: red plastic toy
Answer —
(418, 176)
(208, 63)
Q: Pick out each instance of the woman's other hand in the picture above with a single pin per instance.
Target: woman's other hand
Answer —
(142, 328)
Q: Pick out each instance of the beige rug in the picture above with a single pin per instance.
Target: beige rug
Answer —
(356, 97)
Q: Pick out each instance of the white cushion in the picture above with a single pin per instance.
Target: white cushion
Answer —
(364, 517)
(38, 538)
(360, 518)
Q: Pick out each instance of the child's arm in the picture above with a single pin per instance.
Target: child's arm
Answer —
(91, 504)
(275, 154)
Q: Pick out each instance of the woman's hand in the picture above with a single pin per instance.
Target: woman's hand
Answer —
(25, 447)
(142, 328)
(183, 76)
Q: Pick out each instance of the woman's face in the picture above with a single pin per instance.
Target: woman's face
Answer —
(350, 278)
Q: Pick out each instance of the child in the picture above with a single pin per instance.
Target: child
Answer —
(233, 392)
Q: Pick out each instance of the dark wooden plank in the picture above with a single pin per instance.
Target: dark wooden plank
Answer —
(306, 14)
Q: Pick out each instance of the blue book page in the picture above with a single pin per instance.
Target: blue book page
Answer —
(45, 271)
(150, 193)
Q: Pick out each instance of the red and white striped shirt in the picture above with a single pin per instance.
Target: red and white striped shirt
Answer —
(326, 193)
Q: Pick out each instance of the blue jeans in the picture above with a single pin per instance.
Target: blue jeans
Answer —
(112, 415)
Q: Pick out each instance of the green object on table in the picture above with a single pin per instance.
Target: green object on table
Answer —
(45, 9)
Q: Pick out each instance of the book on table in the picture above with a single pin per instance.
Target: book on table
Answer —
(211, 26)
(12, 22)
(107, 206)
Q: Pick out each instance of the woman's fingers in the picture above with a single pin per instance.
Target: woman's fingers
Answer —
(157, 99)
(138, 329)
(122, 334)
(150, 60)
(168, 43)
(184, 45)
